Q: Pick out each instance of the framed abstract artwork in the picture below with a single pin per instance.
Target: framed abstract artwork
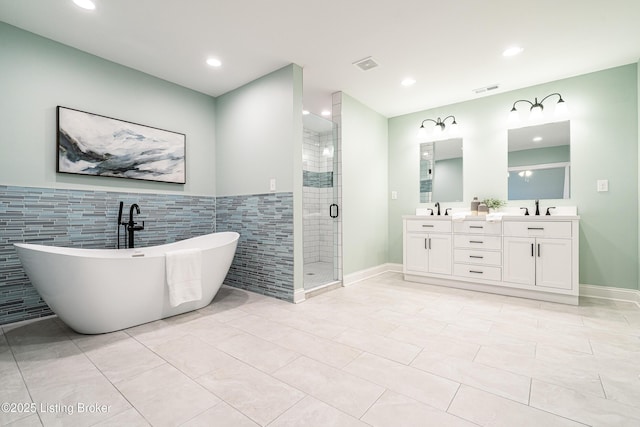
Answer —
(90, 144)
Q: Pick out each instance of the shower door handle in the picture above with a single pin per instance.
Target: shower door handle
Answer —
(333, 210)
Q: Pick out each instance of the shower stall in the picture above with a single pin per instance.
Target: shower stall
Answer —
(321, 207)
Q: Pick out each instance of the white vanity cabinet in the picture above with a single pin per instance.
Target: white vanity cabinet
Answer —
(525, 256)
(428, 246)
(477, 250)
(538, 254)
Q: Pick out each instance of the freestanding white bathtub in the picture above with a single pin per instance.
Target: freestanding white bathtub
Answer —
(102, 290)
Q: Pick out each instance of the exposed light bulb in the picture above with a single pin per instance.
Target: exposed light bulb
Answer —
(561, 108)
(454, 128)
(514, 117)
(422, 133)
(536, 112)
(85, 4)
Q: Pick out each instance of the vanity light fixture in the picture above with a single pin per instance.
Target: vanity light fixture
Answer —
(439, 126)
(537, 107)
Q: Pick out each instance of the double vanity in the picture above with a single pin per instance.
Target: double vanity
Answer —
(524, 256)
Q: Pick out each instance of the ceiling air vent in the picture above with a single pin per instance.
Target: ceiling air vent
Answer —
(366, 64)
(486, 88)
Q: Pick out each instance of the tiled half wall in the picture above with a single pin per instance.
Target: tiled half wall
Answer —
(264, 258)
(88, 219)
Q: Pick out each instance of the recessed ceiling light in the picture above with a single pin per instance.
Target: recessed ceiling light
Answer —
(85, 4)
(537, 138)
(326, 113)
(305, 112)
(214, 62)
(512, 51)
(408, 82)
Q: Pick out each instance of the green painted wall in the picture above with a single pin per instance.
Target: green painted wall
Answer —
(603, 109)
(37, 74)
(255, 138)
(364, 186)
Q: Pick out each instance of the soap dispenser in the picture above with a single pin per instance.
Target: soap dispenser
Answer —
(483, 209)
(474, 206)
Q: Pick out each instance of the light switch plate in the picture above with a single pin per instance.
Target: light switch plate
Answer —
(272, 184)
(394, 195)
(603, 185)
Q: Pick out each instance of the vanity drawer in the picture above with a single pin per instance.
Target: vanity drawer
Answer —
(477, 271)
(467, 241)
(471, 256)
(430, 226)
(477, 227)
(550, 229)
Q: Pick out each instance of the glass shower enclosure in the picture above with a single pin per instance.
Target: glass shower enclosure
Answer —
(321, 210)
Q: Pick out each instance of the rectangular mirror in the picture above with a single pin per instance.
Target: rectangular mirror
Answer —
(441, 171)
(539, 162)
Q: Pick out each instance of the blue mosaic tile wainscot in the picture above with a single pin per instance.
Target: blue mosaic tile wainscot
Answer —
(264, 258)
(85, 219)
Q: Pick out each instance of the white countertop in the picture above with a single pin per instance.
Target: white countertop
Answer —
(506, 217)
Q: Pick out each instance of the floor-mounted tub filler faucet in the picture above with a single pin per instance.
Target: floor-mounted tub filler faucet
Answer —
(131, 225)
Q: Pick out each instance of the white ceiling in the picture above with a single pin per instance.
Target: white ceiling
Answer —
(450, 47)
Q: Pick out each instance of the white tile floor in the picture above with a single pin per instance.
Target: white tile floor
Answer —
(382, 352)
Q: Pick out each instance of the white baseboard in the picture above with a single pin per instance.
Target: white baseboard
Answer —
(298, 296)
(358, 276)
(615, 294)
(591, 291)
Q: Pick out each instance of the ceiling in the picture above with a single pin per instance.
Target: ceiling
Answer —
(449, 47)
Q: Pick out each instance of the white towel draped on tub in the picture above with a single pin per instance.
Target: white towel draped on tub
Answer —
(184, 275)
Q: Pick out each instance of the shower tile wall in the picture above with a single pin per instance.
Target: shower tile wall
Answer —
(85, 219)
(318, 195)
(264, 258)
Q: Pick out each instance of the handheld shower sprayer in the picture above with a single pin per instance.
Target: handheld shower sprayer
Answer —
(119, 222)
